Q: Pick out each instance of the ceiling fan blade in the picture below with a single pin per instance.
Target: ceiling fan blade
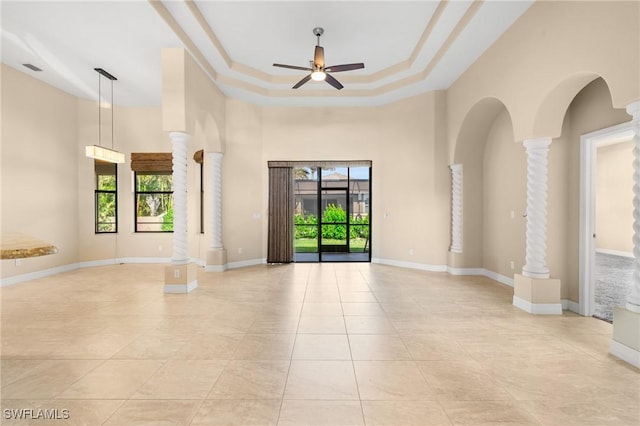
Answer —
(292, 67)
(318, 57)
(332, 81)
(301, 82)
(345, 67)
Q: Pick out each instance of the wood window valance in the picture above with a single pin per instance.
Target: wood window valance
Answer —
(152, 162)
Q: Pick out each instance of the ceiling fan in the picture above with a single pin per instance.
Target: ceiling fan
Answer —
(318, 70)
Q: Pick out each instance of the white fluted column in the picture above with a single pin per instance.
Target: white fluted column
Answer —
(180, 245)
(633, 299)
(456, 208)
(537, 175)
(214, 161)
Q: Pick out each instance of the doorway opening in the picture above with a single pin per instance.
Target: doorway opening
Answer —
(606, 220)
(332, 214)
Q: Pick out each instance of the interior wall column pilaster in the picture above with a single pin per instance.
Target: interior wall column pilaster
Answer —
(537, 177)
(456, 208)
(216, 254)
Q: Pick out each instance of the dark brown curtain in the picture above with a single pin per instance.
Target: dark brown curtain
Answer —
(280, 238)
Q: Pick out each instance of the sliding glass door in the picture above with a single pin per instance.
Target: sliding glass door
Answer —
(332, 214)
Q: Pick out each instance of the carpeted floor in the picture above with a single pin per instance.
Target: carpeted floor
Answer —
(612, 283)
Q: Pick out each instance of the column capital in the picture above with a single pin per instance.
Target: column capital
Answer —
(537, 143)
(179, 136)
(633, 109)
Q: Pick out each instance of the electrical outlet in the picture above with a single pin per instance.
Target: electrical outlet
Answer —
(160, 248)
(410, 252)
(18, 262)
(513, 265)
(240, 250)
(176, 273)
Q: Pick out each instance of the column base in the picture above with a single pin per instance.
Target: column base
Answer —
(180, 278)
(540, 296)
(216, 260)
(625, 342)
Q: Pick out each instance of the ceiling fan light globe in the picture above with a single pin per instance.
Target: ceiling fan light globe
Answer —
(318, 75)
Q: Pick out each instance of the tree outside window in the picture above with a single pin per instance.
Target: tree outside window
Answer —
(106, 197)
(154, 202)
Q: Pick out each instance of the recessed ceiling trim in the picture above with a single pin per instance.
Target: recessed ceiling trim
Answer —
(462, 23)
(253, 73)
(182, 35)
(202, 21)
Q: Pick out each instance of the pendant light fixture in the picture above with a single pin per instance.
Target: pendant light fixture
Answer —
(100, 152)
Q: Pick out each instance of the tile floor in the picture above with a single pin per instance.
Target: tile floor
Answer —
(301, 344)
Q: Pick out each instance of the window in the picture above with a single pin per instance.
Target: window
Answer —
(106, 197)
(154, 201)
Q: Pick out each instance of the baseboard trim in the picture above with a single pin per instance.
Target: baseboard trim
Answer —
(215, 268)
(181, 288)
(245, 263)
(615, 252)
(17, 279)
(410, 265)
(625, 353)
(570, 305)
(537, 308)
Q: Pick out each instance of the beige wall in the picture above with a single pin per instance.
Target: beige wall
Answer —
(520, 87)
(614, 197)
(538, 66)
(504, 189)
(408, 212)
(39, 169)
(135, 130)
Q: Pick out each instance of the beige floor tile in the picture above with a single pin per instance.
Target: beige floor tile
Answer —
(559, 413)
(391, 380)
(363, 309)
(257, 412)
(324, 295)
(369, 325)
(182, 379)
(265, 347)
(316, 413)
(47, 379)
(489, 413)
(434, 347)
(152, 346)
(322, 347)
(275, 325)
(62, 413)
(357, 296)
(326, 380)
(462, 381)
(154, 413)
(407, 413)
(122, 335)
(322, 325)
(214, 346)
(251, 380)
(114, 379)
(377, 347)
(321, 308)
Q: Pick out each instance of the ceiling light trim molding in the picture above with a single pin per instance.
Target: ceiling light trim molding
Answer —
(182, 35)
(202, 21)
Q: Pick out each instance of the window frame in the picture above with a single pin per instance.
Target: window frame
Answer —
(136, 193)
(97, 192)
